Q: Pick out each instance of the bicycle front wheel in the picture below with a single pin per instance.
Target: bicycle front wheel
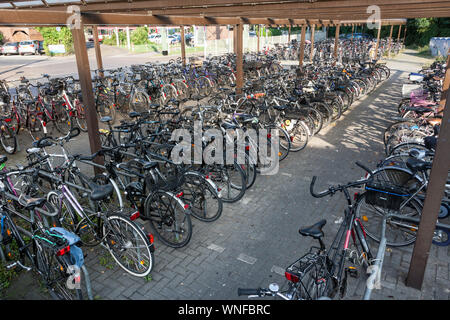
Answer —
(398, 232)
(128, 245)
(168, 218)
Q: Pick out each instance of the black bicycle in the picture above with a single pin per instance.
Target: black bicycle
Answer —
(322, 273)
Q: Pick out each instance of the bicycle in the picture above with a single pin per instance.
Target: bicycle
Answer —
(47, 252)
(321, 272)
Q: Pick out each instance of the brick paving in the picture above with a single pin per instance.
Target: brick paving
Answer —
(256, 238)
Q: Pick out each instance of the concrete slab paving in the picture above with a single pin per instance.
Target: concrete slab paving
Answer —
(257, 237)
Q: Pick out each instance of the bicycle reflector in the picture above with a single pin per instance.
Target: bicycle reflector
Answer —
(135, 215)
(179, 195)
(150, 238)
(291, 277)
(63, 251)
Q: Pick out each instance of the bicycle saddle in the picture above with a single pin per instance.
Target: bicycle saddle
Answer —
(42, 143)
(283, 107)
(434, 121)
(246, 117)
(105, 119)
(146, 165)
(421, 109)
(31, 203)
(227, 125)
(134, 114)
(314, 231)
(418, 165)
(100, 192)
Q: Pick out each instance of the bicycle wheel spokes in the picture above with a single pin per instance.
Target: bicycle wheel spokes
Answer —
(128, 245)
(398, 231)
(169, 218)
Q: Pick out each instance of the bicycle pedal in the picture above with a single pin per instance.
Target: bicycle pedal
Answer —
(353, 272)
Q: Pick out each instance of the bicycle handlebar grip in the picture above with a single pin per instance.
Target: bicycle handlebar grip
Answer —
(359, 164)
(44, 142)
(311, 187)
(74, 132)
(248, 292)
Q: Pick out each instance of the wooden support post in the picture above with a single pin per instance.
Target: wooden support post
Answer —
(390, 41)
(183, 46)
(239, 58)
(353, 29)
(404, 34)
(84, 74)
(235, 39)
(128, 38)
(302, 46)
(116, 30)
(336, 41)
(313, 29)
(98, 51)
(378, 42)
(258, 38)
(399, 30)
(445, 86)
(289, 34)
(433, 198)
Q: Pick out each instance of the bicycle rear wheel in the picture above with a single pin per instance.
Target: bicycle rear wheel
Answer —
(169, 218)
(56, 273)
(8, 138)
(202, 198)
(231, 181)
(128, 245)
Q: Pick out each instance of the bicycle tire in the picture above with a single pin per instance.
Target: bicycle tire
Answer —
(371, 221)
(54, 272)
(195, 192)
(221, 174)
(8, 138)
(114, 241)
(154, 205)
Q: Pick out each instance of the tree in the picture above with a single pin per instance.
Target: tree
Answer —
(52, 35)
(420, 31)
(139, 35)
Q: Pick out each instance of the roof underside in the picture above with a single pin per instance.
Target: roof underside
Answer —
(188, 12)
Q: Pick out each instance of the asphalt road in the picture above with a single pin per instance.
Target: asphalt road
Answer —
(32, 67)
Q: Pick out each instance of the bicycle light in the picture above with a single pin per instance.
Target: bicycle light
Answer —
(134, 216)
(63, 251)
(291, 277)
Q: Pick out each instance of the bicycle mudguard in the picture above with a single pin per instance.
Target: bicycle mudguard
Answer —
(76, 254)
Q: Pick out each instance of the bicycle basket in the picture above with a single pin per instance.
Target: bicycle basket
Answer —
(385, 195)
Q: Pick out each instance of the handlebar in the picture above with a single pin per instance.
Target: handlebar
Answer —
(317, 195)
(332, 189)
(249, 292)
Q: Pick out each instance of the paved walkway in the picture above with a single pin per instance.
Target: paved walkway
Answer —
(256, 238)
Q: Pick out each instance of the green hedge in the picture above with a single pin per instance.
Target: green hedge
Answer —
(52, 36)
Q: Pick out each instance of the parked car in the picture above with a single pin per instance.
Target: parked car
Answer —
(155, 37)
(189, 38)
(252, 33)
(10, 48)
(29, 46)
(359, 36)
(172, 39)
(41, 47)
